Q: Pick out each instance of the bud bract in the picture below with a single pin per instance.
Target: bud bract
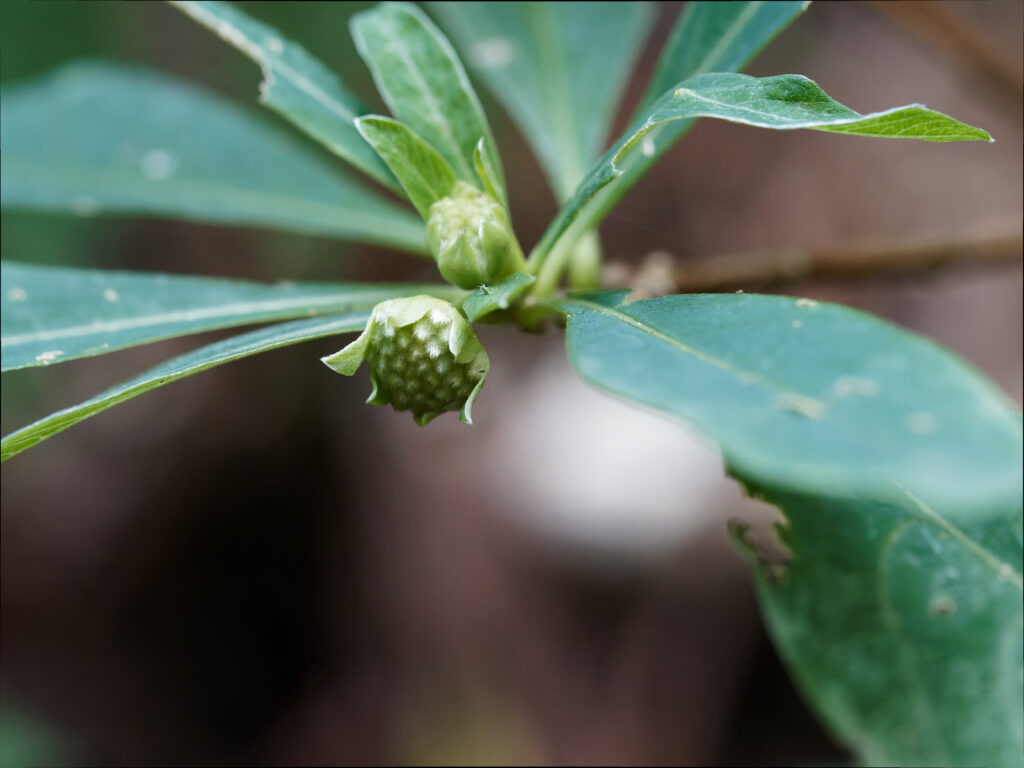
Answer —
(471, 238)
(423, 356)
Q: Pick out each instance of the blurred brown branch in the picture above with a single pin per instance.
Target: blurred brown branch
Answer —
(659, 273)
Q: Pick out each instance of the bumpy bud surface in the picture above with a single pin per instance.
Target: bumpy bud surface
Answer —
(423, 356)
(471, 238)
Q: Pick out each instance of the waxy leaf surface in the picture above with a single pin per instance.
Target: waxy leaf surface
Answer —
(558, 69)
(295, 84)
(235, 348)
(96, 138)
(425, 86)
(54, 314)
(902, 628)
(808, 396)
(782, 102)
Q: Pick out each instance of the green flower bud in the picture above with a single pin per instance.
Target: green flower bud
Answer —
(471, 238)
(423, 355)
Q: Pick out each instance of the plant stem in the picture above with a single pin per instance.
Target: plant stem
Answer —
(758, 268)
(585, 263)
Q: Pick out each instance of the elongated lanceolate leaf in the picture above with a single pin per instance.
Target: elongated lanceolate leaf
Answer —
(294, 84)
(95, 138)
(558, 68)
(782, 102)
(54, 314)
(709, 37)
(262, 340)
(424, 85)
(810, 397)
(903, 629)
(422, 172)
(716, 37)
(789, 102)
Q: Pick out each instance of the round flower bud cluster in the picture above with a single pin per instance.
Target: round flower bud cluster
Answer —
(423, 357)
(471, 238)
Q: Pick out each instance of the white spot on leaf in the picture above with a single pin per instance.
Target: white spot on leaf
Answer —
(922, 423)
(849, 386)
(647, 147)
(111, 295)
(17, 294)
(158, 164)
(48, 357)
(84, 205)
(806, 303)
(274, 45)
(494, 52)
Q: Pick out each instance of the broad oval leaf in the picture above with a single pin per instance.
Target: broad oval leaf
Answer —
(422, 172)
(96, 138)
(424, 85)
(294, 83)
(904, 630)
(558, 68)
(235, 348)
(782, 102)
(807, 396)
(54, 314)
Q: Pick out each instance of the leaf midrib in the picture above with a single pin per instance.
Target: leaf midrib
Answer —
(437, 116)
(558, 96)
(115, 178)
(256, 309)
(927, 514)
(711, 58)
(742, 374)
(34, 433)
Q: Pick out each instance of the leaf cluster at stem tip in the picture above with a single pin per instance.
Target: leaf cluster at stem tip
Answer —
(897, 603)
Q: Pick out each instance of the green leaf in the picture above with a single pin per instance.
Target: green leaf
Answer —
(54, 314)
(809, 397)
(295, 84)
(488, 174)
(422, 172)
(490, 298)
(716, 37)
(424, 85)
(787, 102)
(225, 351)
(95, 138)
(902, 628)
(783, 102)
(709, 37)
(558, 68)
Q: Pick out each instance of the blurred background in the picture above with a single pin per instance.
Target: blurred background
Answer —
(250, 566)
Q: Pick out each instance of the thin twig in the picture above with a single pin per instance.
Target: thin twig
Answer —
(660, 273)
